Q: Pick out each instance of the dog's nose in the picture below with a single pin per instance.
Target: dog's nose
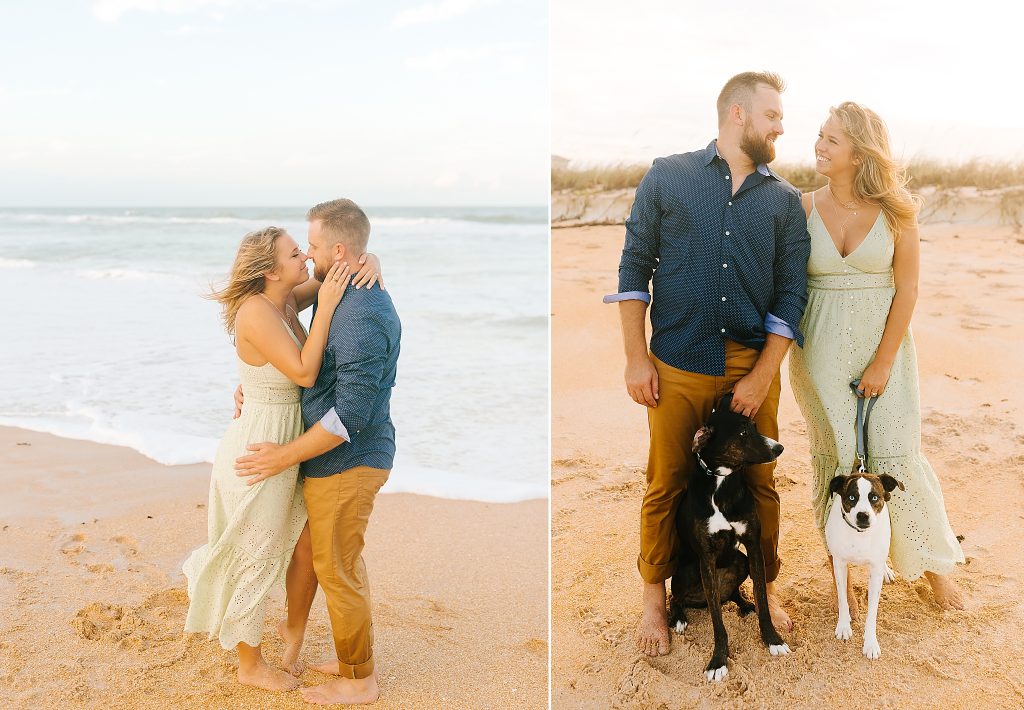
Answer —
(777, 450)
(863, 519)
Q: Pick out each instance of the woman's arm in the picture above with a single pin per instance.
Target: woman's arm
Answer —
(260, 326)
(304, 294)
(906, 266)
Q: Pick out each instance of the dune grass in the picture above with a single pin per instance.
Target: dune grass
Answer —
(924, 172)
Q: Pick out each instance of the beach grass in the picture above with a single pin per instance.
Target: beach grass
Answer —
(924, 172)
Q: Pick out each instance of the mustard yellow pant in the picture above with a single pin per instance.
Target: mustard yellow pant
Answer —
(685, 402)
(339, 508)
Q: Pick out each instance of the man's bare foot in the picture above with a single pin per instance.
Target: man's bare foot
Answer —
(947, 594)
(267, 677)
(351, 691)
(292, 646)
(652, 631)
(780, 619)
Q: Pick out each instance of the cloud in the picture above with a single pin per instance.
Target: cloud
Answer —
(193, 30)
(111, 10)
(449, 178)
(507, 54)
(437, 11)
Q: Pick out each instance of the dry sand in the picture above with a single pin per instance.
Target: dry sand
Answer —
(968, 326)
(92, 601)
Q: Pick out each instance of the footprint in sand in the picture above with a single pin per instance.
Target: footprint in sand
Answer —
(974, 325)
(127, 546)
(73, 545)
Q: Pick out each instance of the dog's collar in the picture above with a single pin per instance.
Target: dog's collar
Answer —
(707, 470)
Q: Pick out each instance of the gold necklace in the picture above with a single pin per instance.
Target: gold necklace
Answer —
(283, 316)
(849, 207)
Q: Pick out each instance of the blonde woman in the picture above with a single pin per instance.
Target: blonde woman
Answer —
(257, 535)
(861, 291)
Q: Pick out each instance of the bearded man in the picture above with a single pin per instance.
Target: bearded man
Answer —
(725, 241)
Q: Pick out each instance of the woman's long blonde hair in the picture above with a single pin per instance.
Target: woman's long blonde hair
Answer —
(256, 257)
(879, 177)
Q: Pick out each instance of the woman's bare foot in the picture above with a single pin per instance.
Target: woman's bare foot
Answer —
(292, 646)
(652, 632)
(780, 619)
(351, 691)
(947, 594)
(265, 676)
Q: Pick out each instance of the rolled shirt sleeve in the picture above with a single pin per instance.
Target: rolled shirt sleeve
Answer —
(332, 423)
(793, 248)
(774, 324)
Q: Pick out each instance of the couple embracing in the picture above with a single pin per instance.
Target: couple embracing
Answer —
(742, 266)
(312, 442)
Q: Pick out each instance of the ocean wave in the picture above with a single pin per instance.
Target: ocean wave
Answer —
(102, 219)
(18, 264)
(408, 477)
(125, 275)
(172, 449)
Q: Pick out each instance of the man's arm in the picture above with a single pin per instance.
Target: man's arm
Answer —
(641, 377)
(750, 392)
(636, 267)
(270, 459)
(782, 325)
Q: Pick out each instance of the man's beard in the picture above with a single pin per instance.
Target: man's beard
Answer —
(758, 148)
(319, 273)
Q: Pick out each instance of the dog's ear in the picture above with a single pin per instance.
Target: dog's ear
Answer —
(725, 404)
(836, 485)
(702, 437)
(889, 484)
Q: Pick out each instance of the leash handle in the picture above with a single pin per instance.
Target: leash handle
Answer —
(862, 425)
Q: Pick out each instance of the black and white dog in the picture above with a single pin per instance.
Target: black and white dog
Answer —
(716, 514)
(858, 531)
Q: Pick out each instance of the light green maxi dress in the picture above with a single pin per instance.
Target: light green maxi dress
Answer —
(848, 302)
(252, 530)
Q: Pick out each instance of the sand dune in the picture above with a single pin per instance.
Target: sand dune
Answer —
(967, 326)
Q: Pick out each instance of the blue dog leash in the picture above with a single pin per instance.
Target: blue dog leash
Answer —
(862, 424)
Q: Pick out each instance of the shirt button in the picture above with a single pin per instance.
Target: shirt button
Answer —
(725, 266)
(730, 204)
(723, 298)
(723, 330)
(726, 177)
(727, 232)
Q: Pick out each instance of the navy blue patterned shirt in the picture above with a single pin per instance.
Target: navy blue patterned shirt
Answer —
(354, 384)
(724, 266)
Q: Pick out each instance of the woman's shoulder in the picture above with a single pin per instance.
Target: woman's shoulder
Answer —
(253, 310)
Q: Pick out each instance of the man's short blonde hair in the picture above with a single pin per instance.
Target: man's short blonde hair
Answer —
(342, 221)
(740, 90)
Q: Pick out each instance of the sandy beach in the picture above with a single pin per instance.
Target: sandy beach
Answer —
(967, 327)
(91, 542)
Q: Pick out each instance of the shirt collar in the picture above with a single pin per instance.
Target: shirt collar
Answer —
(711, 152)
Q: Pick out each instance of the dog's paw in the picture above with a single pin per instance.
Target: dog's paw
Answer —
(843, 631)
(888, 576)
(780, 650)
(871, 648)
(680, 627)
(714, 675)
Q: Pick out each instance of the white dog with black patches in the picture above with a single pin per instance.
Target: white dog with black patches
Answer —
(858, 532)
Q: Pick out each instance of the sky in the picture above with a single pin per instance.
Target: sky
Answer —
(268, 102)
(630, 83)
